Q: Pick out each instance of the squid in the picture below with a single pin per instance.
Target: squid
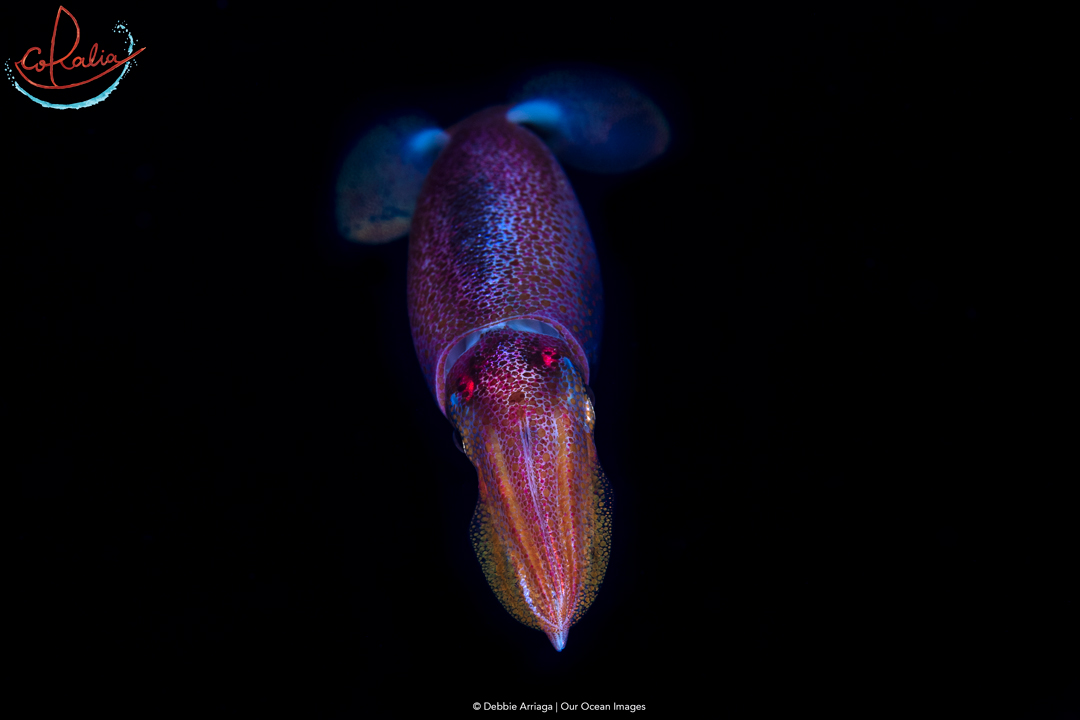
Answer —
(506, 307)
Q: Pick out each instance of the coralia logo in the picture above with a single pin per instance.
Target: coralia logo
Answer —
(108, 62)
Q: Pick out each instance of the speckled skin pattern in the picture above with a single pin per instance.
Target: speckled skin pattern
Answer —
(497, 235)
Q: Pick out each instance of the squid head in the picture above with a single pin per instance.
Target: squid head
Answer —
(542, 526)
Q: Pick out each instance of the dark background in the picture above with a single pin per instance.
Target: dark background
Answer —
(822, 394)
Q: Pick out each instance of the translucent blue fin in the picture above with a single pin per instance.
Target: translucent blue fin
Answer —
(381, 178)
(592, 120)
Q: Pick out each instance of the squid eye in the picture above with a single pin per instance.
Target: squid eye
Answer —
(590, 408)
(458, 442)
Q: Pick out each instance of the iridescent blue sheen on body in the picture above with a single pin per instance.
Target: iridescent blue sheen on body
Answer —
(498, 234)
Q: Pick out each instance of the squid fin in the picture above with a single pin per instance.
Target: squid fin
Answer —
(381, 178)
(592, 120)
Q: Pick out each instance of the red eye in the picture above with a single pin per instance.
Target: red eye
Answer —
(548, 355)
(466, 388)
